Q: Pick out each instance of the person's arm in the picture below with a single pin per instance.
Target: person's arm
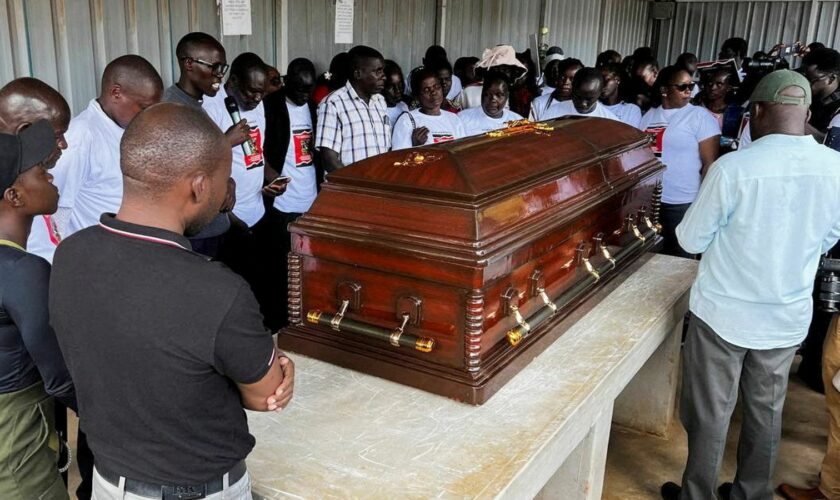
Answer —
(71, 172)
(708, 140)
(831, 238)
(707, 214)
(403, 135)
(245, 353)
(709, 152)
(238, 133)
(331, 160)
(328, 139)
(27, 305)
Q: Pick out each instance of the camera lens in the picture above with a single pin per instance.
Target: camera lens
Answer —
(829, 293)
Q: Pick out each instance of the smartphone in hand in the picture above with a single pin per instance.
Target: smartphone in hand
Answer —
(278, 185)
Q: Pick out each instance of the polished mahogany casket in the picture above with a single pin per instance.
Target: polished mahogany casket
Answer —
(449, 267)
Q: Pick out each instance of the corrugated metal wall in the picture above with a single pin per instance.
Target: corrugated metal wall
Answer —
(67, 43)
(825, 30)
(400, 30)
(701, 27)
(470, 26)
(581, 28)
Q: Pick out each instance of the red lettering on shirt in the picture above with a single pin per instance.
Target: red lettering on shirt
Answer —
(657, 134)
(445, 137)
(302, 141)
(52, 230)
(254, 159)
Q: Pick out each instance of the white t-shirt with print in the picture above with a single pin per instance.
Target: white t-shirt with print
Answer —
(395, 112)
(303, 187)
(88, 175)
(247, 171)
(677, 134)
(444, 127)
(477, 122)
(43, 238)
(627, 113)
(546, 108)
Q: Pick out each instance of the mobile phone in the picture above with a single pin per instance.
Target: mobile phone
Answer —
(278, 183)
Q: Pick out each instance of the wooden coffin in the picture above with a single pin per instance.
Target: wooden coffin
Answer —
(449, 267)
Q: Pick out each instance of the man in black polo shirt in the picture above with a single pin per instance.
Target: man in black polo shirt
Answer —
(165, 346)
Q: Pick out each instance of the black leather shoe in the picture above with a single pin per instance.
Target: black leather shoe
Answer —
(670, 491)
(724, 491)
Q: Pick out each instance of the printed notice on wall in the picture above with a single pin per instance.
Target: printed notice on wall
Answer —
(344, 21)
(236, 17)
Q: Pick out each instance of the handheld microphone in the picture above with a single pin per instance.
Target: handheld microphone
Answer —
(233, 110)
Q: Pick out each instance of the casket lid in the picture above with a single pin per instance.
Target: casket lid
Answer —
(476, 168)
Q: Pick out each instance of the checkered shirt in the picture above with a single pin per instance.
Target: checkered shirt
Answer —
(351, 127)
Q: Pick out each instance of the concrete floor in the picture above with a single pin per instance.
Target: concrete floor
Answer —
(638, 464)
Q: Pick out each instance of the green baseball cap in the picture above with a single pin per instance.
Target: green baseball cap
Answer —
(770, 87)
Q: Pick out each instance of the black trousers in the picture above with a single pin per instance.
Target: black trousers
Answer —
(670, 217)
(259, 255)
(83, 457)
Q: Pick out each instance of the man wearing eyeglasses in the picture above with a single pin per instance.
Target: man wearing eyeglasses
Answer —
(203, 64)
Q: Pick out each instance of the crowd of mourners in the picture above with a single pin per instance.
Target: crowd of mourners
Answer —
(143, 242)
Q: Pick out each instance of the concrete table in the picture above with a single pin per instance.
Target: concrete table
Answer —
(349, 435)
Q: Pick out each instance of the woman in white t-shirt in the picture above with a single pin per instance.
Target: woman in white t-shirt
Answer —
(687, 139)
(428, 124)
(492, 115)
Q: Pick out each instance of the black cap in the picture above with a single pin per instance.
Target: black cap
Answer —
(19, 153)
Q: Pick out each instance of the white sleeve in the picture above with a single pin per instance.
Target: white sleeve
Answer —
(458, 125)
(535, 114)
(634, 117)
(708, 126)
(512, 116)
(401, 138)
(72, 168)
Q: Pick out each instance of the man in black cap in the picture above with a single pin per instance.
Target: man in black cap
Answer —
(32, 370)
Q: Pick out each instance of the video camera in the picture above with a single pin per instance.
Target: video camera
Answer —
(828, 275)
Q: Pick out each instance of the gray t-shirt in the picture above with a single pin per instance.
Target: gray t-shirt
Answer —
(221, 223)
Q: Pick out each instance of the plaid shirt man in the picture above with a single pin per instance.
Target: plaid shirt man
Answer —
(351, 127)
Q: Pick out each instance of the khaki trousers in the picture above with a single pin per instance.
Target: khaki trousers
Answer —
(28, 442)
(830, 474)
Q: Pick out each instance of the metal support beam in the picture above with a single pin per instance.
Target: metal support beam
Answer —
(440, 23)
(811, 33)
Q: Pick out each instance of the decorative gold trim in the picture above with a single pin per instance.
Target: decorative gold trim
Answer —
(514, 337)
(606, 253)
(519, 319)
(638, 234)
(313, 316)
(396, 334)
(335, 322)
(547, 301)
(418, 158)
(590, 269)
(424, 345)
(395, 338)
(516, 127)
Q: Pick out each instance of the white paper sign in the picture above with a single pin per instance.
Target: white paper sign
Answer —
(344, 21)
(236, 17)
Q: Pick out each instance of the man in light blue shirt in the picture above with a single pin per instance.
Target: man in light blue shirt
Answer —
(761, 219)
